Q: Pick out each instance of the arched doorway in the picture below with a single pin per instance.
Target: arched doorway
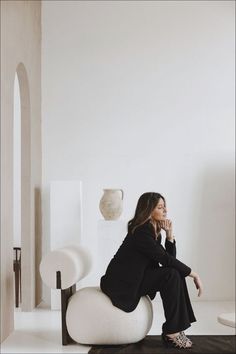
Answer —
(26, 233)
(17, 193)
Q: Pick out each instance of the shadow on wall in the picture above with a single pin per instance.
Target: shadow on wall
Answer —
(213, 227)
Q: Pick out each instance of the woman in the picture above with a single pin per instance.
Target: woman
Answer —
(135, 270)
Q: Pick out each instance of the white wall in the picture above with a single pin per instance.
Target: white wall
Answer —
(139, 95)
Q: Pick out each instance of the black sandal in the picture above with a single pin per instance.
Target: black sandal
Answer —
(180, 341)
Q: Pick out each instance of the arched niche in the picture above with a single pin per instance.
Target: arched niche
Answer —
(27, 219)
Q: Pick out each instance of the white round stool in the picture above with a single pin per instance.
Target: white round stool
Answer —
(92, 318)
(227, 319)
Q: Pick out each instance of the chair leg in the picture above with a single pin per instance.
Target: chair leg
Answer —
(20, 284)
(17, 285)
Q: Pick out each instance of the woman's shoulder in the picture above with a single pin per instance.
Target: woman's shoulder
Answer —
(146, 228)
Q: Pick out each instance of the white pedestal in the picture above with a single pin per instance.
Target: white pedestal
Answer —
(109, 237)
(65, 220)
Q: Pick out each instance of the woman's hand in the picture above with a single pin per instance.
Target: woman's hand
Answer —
(167, 226)
(198, 285)
(197, 282)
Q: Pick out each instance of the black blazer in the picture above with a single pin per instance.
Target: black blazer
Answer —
(125, 272)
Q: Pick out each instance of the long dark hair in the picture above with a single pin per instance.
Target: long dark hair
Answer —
(146, 204)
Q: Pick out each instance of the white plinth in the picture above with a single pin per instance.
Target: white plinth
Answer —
(65, 220)
(109, 237)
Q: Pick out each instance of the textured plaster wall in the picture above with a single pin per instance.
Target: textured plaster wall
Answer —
(21, 52)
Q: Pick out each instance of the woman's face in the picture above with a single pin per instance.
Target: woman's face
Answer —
(160, 211)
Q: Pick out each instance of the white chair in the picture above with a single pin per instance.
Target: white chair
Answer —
(88, 315)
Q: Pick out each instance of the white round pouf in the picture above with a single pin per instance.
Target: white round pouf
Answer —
(227, 319)
(91, 318)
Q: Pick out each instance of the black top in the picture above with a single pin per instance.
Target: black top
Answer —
(138, 252)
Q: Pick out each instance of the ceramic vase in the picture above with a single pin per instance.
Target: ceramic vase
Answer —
(111, 203)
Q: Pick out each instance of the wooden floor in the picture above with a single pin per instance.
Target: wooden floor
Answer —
(39, 331)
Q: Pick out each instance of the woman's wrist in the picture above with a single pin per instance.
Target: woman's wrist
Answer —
(193, 274)
(169, 235)
(171, 239)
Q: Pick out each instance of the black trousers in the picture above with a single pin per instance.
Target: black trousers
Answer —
(174, 294)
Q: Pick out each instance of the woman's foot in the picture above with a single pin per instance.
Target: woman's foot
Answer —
(177, 340)
(172, 335)
(184, 335)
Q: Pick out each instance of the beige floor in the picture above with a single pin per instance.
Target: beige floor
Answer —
(39, 331)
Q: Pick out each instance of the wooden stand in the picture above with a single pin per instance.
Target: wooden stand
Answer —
(17, 271)
(65, 295)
